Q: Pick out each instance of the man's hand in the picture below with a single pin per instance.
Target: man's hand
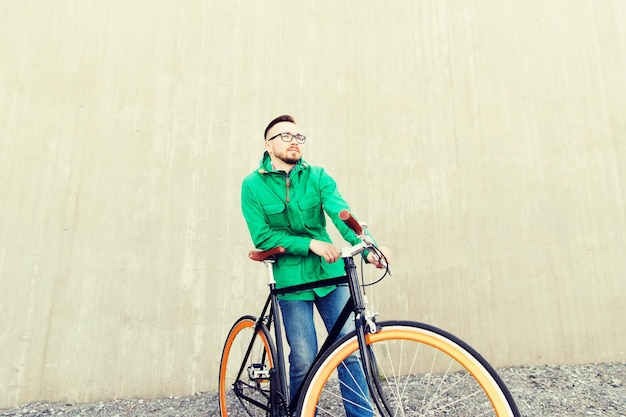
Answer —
(374, 259)
(325, 249)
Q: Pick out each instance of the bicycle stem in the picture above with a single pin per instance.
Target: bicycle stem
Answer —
(349, 252)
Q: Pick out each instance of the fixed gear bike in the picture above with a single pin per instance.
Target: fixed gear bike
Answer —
(410, 368)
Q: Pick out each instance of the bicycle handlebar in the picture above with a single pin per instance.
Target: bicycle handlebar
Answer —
(366, 241)
(346, 217)
(351, 222)
(365, 244)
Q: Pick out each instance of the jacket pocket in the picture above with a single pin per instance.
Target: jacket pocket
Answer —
(288, 270)
(312, 214)
(289, 260)
(276, 215)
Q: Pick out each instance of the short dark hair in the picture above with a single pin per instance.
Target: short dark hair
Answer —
(283, 118)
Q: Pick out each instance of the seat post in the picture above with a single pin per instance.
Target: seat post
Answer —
(270, 270)
(279, 371)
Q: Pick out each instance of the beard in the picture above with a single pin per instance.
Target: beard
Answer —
(289, 157)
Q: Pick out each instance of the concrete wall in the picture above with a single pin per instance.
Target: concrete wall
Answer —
(484, 141)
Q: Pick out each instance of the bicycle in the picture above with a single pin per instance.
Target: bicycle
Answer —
(410, 368)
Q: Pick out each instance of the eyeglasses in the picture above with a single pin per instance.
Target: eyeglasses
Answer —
(288, 137)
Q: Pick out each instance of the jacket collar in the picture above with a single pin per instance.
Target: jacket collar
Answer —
(265, 166)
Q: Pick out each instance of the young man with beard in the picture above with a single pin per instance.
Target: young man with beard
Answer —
(284, 202)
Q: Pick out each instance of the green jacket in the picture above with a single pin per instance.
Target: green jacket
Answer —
(288, 210)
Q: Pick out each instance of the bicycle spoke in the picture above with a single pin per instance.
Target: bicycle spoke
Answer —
(244, 371)
(421, 373)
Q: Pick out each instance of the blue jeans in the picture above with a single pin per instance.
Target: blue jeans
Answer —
(302, 339)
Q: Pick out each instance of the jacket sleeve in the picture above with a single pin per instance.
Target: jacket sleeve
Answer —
(262, 235)
(333, 203)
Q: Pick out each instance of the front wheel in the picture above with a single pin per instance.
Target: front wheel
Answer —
(419, 370)
(244, 380)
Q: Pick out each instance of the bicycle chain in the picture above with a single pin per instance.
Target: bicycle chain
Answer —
(284, 406)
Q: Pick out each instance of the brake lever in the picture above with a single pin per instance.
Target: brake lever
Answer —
(381, 260)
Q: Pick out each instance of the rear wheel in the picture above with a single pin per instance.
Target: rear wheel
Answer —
(244, 380)
(420, 371)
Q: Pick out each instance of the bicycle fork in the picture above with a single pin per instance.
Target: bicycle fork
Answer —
(367, 356)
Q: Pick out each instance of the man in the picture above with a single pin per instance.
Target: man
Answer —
(283, 203)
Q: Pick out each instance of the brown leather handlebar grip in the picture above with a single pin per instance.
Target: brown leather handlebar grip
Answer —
(351, 222)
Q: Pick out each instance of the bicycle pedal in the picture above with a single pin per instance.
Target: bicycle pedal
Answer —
(258, 372)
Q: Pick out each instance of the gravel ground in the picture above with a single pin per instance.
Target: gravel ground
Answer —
(572, 390)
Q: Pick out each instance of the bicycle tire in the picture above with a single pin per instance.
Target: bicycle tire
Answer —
(421, 369)
(244, 393)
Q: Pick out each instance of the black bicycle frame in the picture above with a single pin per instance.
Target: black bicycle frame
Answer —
(278, 396)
